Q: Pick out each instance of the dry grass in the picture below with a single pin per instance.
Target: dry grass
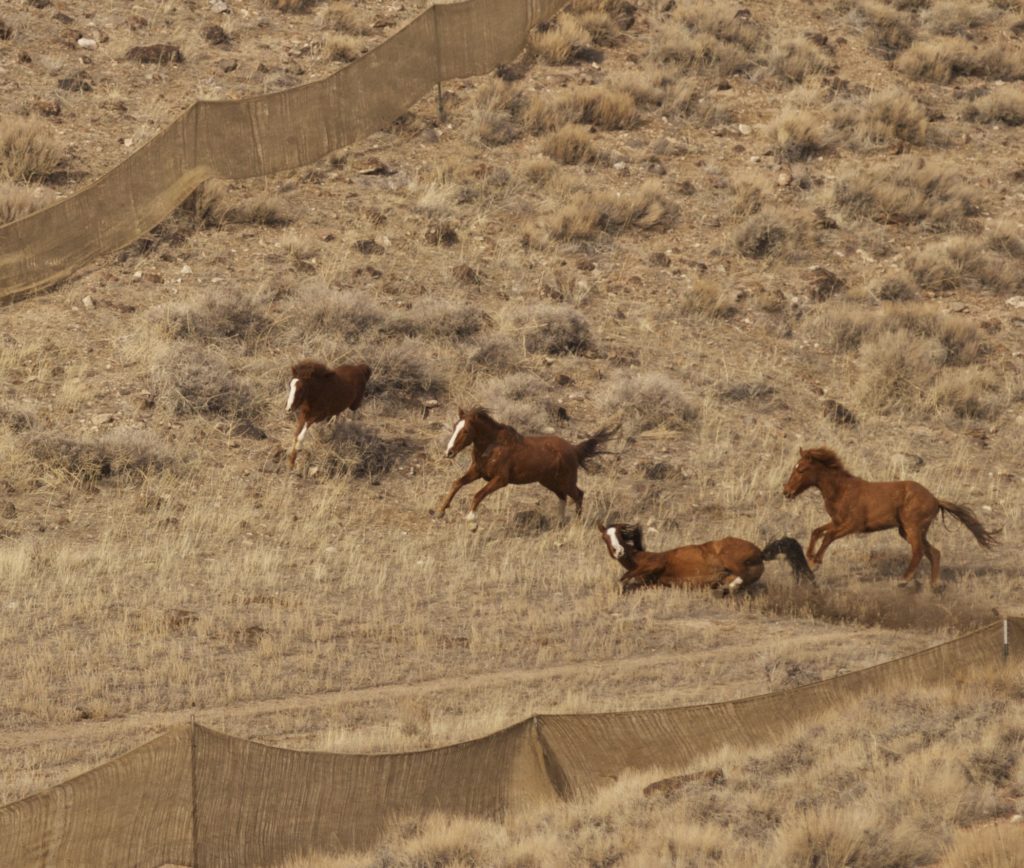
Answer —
(494, 119)
(586, 215)
(1004, 106)
(943, 59)
(343, 16)
(890, 30)
(555, 329)
(602, 107)
(910, 190)
(563, 43)
(794, 60)
(884, 118)
(343, 47)
(650, 399)
(291, 6)
(29, 151)
(571, 144)
(797, 134)
(17, 201)
(965, 263)
(957, 17)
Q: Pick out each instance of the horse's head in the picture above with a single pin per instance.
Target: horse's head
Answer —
(802, 477)
(462, 434)
(622, 539)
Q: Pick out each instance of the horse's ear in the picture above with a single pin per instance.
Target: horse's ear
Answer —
(462, 413)
(601, 527)
(803, 453)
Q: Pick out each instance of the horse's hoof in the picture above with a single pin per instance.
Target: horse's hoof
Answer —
(910, 587)
(938, 589)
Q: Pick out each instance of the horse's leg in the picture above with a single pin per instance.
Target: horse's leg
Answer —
(815, 534)
(471, 475)
(577, 497)
(934, 559)
(561, 500)
(301, 427)
(830, 535)
(493, 484)
(635, 579)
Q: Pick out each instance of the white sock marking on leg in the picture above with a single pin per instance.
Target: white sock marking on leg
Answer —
(613, 538)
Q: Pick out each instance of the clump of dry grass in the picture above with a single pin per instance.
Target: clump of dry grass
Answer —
(266, 209)
(965, 263)
(571, 144)
(555, 329)
(1004, 106)
(890, 30)
(883, 118)
(956, 17)
(598, 106)
(201, 382)
(403, 371)
(650, 399)
(348, 314)
(768, 232)
(910, 190)
(343, 47)
(343, 16)
(712, 39)
(942, 59)
(128, 455)
(437, 318)
(494, 115)
(17, 202)
(355, 450)
(291, 6)
(562, 43)
(895, 286)
(217, 314)
(586, 214)
(895, 371)
(708, 299)
(794, 60)
(28, 150)
(971, 393)
(798, 134)
(520, 399)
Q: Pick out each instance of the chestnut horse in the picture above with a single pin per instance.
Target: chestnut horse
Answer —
(318, 392)
(858, 506)
(503, 456)
(708, 565)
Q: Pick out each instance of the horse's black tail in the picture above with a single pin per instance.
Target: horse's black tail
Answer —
(793, 553)
(591, 446)
(966, 516)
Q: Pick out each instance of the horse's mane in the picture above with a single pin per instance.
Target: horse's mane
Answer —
(826, 456)
(484, 415)
(308, 369)
(632, 534)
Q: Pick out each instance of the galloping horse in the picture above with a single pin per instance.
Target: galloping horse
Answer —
(858, 506)
(707, 565)
(319, 393)
(503, 456)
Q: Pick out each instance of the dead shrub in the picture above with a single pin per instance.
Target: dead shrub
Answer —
(898, 286)
(571, 144)
(794, 60)
(588, 213)
(882, 119)
(403, 370)
(437, 318)
(342, 16)
(218, 314)
(969, 393)
(601, 26)
(200, 381)
(127, 454)
(700, 52)
(708, 299)
(895, 371)
(721, 21)
(538, 170)
(522, 400)
(597, 106)
(28, 150)
(343, 47)
(910, 191)
(495, 353)
(956, 17)
(984, 846)
(798, 134)
(964, 263)
(563, 43)
(889, 29)
(291, 6)
(315, 308)
(942, 59)
(494, 116)
(649, 399)
(554, 329)
(1004, 106)
(767, 233)
(17, 202)
(356, 451)
(263, 210)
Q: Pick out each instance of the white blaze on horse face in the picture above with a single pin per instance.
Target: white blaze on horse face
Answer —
(613, 538)
(455, 436)
(292, 389)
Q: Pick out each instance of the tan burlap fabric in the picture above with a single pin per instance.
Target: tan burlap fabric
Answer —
(197, 797)
(262, 135)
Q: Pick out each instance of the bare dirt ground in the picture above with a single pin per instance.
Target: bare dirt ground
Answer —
(708, 225)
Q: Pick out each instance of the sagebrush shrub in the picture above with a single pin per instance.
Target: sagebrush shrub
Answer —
(28, 150)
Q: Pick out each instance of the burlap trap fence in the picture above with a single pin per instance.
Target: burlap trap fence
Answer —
(197, 797)
(262, 135)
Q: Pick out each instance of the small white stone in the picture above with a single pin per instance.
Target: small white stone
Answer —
(745, 129)
(87, 43)
(1015, 301)
(88, 303)
(186, 269)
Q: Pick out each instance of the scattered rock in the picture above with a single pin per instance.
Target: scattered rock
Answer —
(245, 428)
(744, 129)
(671, 786)
(368, 246)
(82, 713)
(87, 44)
(5, 30)
(10, 510)
(158, 53)
(1015, 301)
(467, 274)
(219, 7)
(838, 414)
(825, 283)
(658, 470)
(48, 108)
(228, 65)
(784, 179)
(910, 460)
(529, 522)
(660, 258)
(442, 234)
(102, 419)
(88, 303)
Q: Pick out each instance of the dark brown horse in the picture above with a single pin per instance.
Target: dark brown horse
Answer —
(858, 506)
(317, 393)
(727, 565)
(503, 456)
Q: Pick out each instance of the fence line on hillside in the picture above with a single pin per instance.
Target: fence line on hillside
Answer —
(198, 797)
(262, 135)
